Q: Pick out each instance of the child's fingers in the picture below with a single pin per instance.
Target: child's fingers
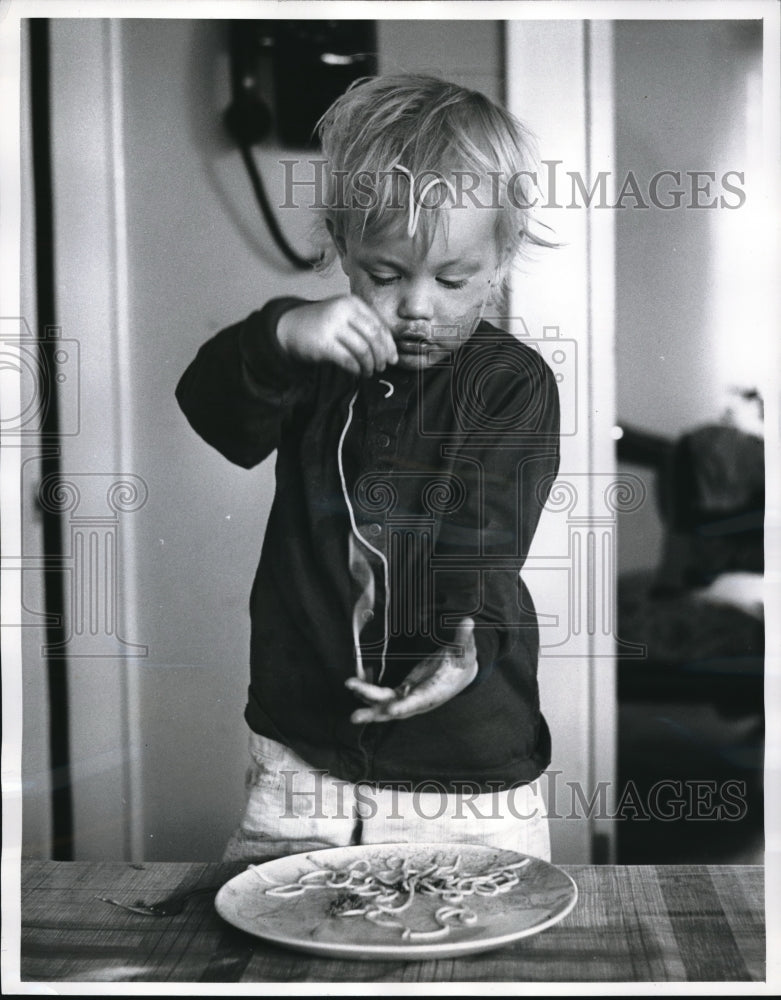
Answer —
(430, 693)
(449, 678)
(378, 338)
(366, 349)
(341, 355)
(371, 346)
(358, 350)
(383, 702)
(377, 331)
(430, 684)
(363, 715)
(370, 692)
(422, 697)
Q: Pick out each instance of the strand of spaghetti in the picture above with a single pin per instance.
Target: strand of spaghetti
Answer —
(319, 878)
(382, 919)
(294, 889)
(444, 915)
(409, 935)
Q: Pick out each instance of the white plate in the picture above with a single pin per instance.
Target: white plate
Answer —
(543, 896)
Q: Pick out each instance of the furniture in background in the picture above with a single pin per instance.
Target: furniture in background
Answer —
(691, 710)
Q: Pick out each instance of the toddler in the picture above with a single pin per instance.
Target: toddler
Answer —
(393, 693)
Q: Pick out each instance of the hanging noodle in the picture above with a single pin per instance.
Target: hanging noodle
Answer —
(380, 896)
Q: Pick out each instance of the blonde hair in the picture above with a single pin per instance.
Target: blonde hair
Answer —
(415, 125)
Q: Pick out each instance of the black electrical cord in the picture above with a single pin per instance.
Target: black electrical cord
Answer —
(248, 120)
(302, 263)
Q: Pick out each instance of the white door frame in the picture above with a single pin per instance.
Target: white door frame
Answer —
(560, 83)
(91, 275)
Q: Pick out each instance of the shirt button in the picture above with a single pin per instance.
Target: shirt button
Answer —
(383, 440)
(367, 615)
(375, 529)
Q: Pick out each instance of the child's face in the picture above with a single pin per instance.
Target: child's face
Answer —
(431, 298)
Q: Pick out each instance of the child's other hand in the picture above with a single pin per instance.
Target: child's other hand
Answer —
(430, 684)
(343, 330)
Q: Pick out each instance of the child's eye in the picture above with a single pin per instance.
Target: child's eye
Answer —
(382, 279)
(452, 282)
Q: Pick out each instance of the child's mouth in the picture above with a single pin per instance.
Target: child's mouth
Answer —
(413, 339)
(413, 345)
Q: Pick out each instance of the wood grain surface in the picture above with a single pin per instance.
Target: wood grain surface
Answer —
(631, 924)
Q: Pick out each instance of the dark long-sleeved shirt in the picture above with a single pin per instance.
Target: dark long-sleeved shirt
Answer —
(403, 503)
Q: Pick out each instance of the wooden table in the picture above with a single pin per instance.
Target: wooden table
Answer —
(642, 924)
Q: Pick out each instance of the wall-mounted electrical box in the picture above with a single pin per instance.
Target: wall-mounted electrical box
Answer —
(287, 73)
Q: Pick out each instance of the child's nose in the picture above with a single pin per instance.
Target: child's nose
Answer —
(415, 301)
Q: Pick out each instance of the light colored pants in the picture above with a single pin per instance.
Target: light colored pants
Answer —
(293, 807)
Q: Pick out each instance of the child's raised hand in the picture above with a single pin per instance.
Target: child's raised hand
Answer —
(430, 684)
(343, 330)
